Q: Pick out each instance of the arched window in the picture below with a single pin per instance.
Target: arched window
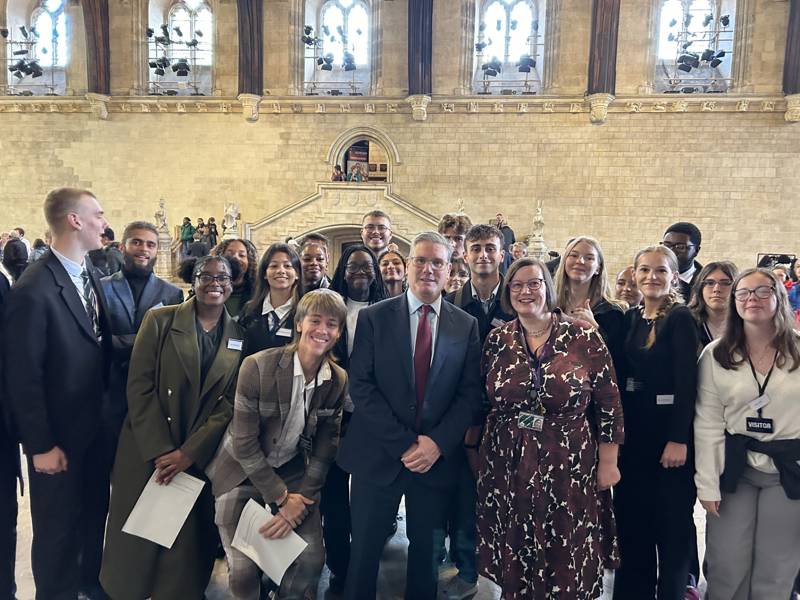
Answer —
(337, 49)
(695, 46)
(49, 26)
(509, 46)
(187, 41)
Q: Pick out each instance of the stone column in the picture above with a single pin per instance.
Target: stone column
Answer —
(603, 58)
(791, 65)
(98, 49)
(420, 46)
(77, 69)
(251, 47)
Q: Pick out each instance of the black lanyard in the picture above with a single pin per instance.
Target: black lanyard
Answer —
(762, 387)
(537, 377)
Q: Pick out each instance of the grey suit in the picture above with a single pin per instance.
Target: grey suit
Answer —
(125, 317)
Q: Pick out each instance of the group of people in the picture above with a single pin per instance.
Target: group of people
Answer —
(503, 398)
(197, 240)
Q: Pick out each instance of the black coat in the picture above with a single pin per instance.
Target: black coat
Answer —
(486, 321)
(382, 389)
(55, 368)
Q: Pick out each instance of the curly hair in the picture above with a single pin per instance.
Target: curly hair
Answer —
(252, 261)
(377, 291)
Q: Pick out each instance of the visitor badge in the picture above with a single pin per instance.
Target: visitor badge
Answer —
(665, 399)
(527, 420)
(759, 425)
(235, 344)
(284, 332)
(498, 322)
(759, 402)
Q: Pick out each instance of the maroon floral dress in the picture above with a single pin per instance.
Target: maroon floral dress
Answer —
(544, 530)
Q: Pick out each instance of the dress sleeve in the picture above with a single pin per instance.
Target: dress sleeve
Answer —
(683, 351)
(605, 393)
(709, 431)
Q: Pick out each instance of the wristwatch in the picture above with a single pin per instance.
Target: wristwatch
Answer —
(275, 507)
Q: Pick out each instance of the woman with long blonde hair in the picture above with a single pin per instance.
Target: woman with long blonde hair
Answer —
(654, 501)
(584, 292)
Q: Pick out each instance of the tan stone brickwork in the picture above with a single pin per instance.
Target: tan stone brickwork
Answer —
(735, 175)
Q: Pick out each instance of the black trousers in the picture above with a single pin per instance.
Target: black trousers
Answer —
(9, 465)
(69, 511)
(653, 508)
(372, 506)
(335, 510)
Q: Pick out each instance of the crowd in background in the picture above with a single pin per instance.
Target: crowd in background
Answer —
(543, 420)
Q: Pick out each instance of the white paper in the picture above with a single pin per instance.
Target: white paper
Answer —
(161, 510)
(272, 556)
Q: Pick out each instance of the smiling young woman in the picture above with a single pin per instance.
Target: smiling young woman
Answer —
(653, 502)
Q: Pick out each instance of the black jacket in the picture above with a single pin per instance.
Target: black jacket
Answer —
(464, 300)
(259, 336)
(686, 288)
(55, 368)
(785, 454)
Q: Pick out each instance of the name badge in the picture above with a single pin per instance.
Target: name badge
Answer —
(665, 399)
(497, 322)
(235, 345)
(530, 421)
(759, 402)
(631, 385)
(758, 425)
(284, 332)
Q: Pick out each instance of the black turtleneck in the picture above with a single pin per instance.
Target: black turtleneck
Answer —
(137, 279)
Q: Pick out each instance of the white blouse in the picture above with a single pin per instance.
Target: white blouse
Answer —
(723, 403)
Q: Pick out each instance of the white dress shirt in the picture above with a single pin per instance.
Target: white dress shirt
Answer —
(302, 393)
(353, 308)
(74, 271)
(414, 304)
(281, 310)
(723, 398)
(687, 275)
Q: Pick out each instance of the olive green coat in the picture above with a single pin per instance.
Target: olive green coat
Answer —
(168, 409)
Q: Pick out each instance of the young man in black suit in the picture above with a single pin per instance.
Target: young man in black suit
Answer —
(413, 404)
(684, 240)
(56, 346)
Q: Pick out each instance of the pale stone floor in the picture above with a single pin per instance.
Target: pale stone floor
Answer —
(391, 580)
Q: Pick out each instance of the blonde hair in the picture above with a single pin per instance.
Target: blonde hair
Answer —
(323, 302)
(673, 296)
(599, 288)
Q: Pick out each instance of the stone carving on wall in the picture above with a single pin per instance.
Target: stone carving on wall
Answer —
(250, 104)
(792, 108)
(598, 107)
(536, 245)
(164, 266)
(99, 105)
(419, 106)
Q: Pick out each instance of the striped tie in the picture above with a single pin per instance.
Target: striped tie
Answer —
(90, 302)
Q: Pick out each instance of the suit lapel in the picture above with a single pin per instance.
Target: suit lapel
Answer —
(123, 292)
(284, 378)
(401, 331)
(70, 295)
(184, 338)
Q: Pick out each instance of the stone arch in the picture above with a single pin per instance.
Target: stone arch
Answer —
(338, 206)
(357, 134)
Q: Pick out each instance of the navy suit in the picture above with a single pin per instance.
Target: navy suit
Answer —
(55, 374)
(125, 318)
(383, 427)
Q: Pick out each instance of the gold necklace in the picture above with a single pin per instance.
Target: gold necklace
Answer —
(540, 332)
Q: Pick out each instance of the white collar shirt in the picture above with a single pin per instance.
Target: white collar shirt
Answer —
(414, 305)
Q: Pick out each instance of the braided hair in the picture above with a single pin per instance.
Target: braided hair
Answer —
(673, 296)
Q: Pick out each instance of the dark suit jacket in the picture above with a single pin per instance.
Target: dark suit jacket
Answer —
(55, 369)
(125, 319)
(382, 389)
(463, 299)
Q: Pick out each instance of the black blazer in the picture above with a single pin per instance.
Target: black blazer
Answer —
(382, 389)
(55, 368)
(486, 322)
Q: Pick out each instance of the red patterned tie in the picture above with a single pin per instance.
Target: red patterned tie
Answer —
(422, 359)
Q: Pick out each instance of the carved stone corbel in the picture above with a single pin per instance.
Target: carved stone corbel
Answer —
(792, 114)
(99, 105)
(419, 106)
(598, 107)
(250, 103)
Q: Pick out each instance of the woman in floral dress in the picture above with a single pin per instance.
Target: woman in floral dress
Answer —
(549, 450)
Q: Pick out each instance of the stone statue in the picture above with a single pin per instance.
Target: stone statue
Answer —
(229, 218)
(161, 217)
(536, 246)
(461, 208)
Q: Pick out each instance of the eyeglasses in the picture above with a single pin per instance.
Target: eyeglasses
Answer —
(356, 267)
(533, 285)
(437, 264)
(762, 292)
(679, 247)
(710, 283)
(206, 278)
(379, 228)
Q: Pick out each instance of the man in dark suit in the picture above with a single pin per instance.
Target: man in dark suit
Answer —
(129, 294)
(413, 405)
(56, 346)
(480, 297)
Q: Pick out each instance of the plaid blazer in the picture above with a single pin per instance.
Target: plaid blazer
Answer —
(263, 399)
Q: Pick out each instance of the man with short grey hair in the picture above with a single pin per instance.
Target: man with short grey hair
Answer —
(412, 408)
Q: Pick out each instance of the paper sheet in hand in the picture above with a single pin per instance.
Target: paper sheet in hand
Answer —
(272, 556)
(161, 510)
